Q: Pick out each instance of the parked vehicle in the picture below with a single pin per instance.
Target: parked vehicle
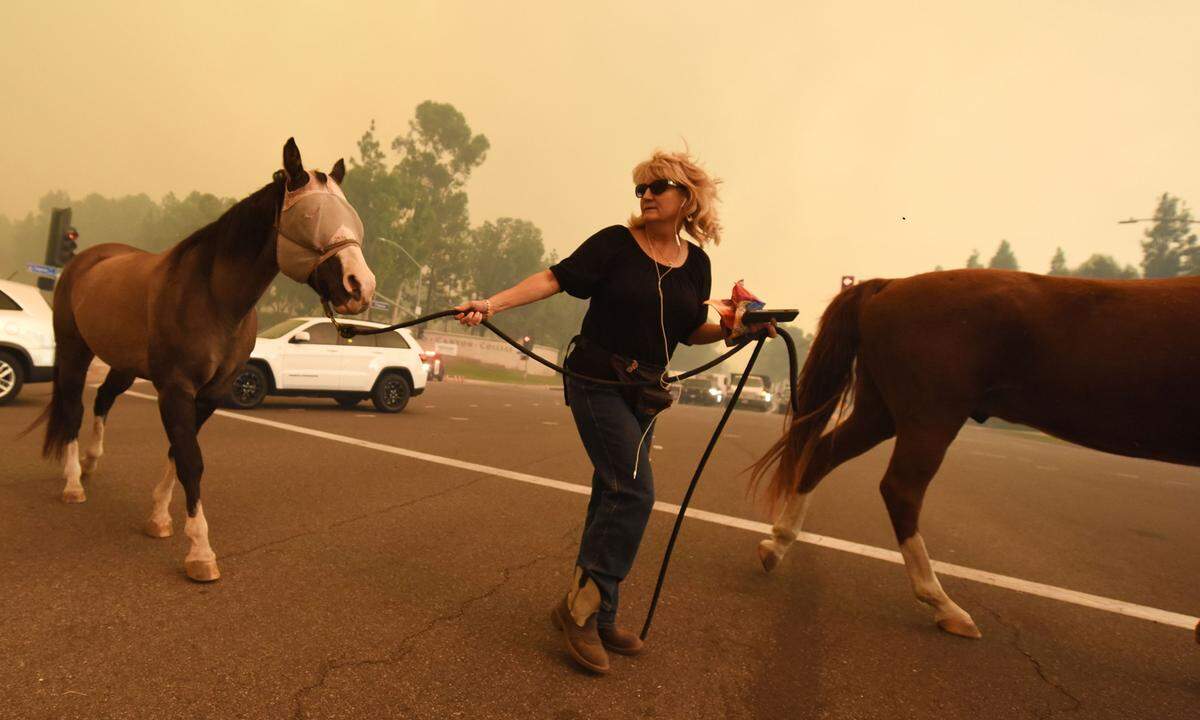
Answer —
(756, 394)
(434, 366)
(305, 357)
(26, 339)
(702, 390)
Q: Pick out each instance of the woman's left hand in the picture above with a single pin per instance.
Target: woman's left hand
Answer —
(767, 327)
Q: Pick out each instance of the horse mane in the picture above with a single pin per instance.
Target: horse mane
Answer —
(248, 219)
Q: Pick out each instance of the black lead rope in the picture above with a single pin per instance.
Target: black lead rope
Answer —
(349, 331)
(687, 498)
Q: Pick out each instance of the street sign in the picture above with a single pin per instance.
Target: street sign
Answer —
(380, 305)
(43, 270)
(847, 281)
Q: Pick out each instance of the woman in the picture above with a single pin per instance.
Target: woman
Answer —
(647, 289)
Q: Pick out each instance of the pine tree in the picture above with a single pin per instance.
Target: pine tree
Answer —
(1058, 264)
(1004, 259)
(973, 261)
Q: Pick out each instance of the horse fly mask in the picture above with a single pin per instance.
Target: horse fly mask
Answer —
(315, 223)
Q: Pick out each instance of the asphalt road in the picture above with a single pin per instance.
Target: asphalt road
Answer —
(404, 566)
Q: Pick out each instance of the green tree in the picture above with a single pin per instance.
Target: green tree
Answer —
(1058, 264)
(1169, 248)
(437, 155)
(1106, 268)
(973, 260)
(1004, 259)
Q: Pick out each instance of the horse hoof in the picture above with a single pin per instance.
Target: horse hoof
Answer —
(960, 626)
(202, 570)
(73, 496)
(156, 529)
(767, 556)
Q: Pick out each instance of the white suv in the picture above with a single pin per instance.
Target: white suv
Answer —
(306, 357)
(26, 339)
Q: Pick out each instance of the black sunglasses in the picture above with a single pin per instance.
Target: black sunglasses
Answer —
(658, 187)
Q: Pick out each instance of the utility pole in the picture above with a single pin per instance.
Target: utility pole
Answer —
(422, 271)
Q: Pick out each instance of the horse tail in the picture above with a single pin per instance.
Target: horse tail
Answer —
(823, 386)
(55, 416)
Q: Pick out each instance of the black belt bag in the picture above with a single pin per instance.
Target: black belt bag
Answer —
(649, 399)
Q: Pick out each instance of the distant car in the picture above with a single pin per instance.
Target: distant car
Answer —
(305, 357)
(702, 390)
(434, 366)
(757, 394)
(26, 339)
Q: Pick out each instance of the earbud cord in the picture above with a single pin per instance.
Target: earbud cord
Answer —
(662, 324)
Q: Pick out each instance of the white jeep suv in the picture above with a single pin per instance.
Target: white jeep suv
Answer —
(26, 339)
(306, 357)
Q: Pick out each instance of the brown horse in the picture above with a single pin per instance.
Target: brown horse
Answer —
(1110, 365)
(185, 320)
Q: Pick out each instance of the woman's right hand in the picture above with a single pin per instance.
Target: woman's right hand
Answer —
(472, 312)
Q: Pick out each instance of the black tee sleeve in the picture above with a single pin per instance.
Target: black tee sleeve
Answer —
(704, 288)
(581, 272)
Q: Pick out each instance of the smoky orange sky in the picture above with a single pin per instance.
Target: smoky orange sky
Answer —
(873, 139)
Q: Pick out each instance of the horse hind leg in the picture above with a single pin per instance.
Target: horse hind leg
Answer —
(66, 415)
(868, 425)
(114, 384)
(916, 459)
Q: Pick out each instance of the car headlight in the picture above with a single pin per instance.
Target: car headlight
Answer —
(767, 396)
(714, 391)
(425, 366)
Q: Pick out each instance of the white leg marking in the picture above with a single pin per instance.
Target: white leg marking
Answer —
(201, 561)
(159, 524)
(783, 533)
(95, 449)
(949, 616)
(73, 490)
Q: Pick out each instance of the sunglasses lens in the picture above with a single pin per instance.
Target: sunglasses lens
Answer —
(658, 187)
(640, 189)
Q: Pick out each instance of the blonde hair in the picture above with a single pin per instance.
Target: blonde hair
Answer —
(699, 210)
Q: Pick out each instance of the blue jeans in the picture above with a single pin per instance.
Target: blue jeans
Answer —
(621, 503)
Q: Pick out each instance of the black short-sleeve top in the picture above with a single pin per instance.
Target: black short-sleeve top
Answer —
(621, 280)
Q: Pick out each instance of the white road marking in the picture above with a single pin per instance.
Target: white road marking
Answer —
(1045, 467)
(535, 404)
(1126, 475)
(991, 455)
(507, 404)
(657, 447)
(472, 405)
(459, 418)
(363, 415)
(1073, 597)
(732, 435)
(429, 406)
(549, 422)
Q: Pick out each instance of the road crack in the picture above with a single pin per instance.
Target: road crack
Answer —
(1045, 677)
(349, 520)
(407, 643)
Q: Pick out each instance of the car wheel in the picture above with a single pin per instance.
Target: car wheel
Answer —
(391, 393)
(12, 377)
(348, 402)
(249, 388)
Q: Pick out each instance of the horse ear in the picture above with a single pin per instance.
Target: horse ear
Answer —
(338, 172)
(292, 166)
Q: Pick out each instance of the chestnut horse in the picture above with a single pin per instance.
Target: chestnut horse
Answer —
(184, 319)
(1112, 365)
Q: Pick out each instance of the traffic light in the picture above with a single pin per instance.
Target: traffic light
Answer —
(60, 243)
(67, 245)
(847, 281)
